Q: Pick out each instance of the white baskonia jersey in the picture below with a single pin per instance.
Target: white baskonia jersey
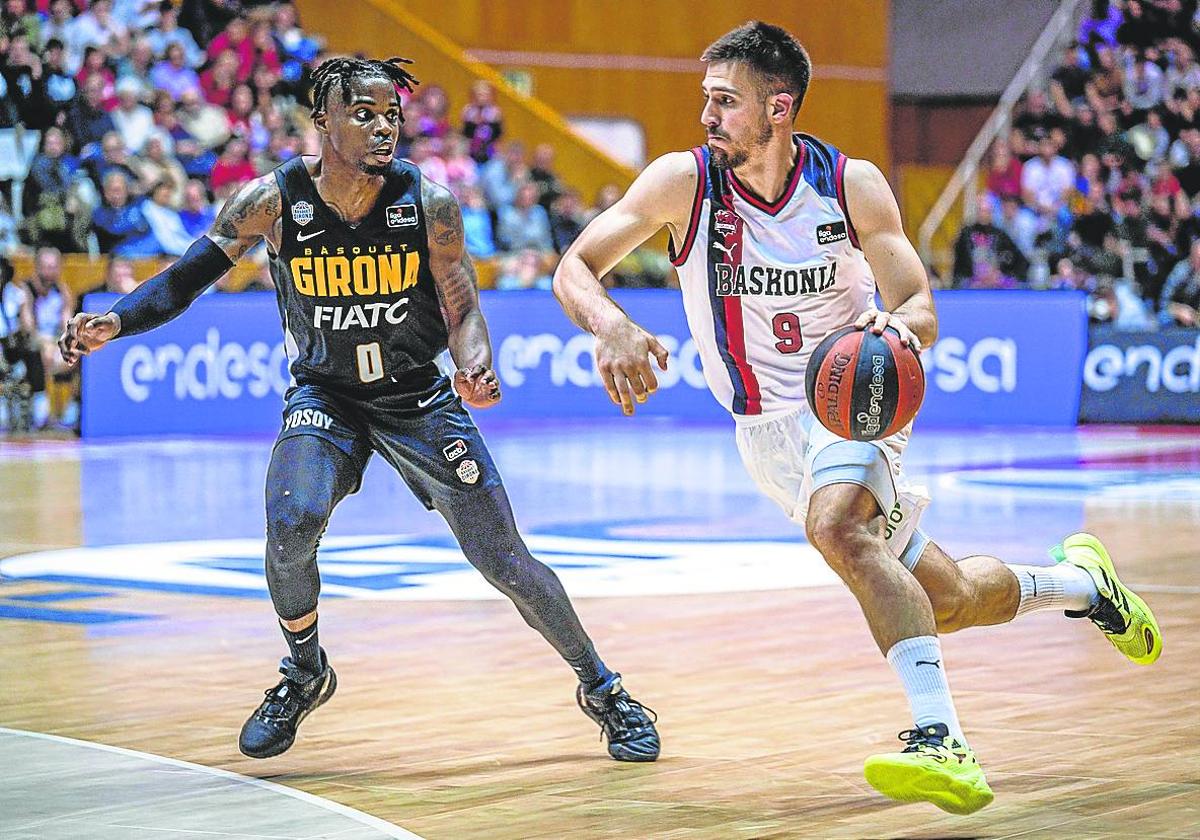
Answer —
(764, 283)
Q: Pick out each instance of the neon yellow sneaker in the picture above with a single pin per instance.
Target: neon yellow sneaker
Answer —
(933, 768)
(1121, 614)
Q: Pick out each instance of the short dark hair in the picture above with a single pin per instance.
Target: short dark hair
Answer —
(772, 52)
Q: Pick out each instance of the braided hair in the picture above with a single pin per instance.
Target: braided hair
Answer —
(341, 70)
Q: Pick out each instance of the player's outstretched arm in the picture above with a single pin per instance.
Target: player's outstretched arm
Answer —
(250, 214)
(899, 274)
(458, 289)
(661, 195)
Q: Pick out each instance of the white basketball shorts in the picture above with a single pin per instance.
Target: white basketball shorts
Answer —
(789, 456)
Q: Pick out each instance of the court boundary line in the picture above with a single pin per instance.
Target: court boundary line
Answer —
(354, 814)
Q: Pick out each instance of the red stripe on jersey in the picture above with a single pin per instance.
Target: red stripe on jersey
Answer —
(701, 178)
(735, 331)
(841, 197)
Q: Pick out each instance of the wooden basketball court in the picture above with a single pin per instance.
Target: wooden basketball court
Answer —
(454, 720)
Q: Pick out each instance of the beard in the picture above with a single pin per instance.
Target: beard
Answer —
(374, 168)
(738, 155)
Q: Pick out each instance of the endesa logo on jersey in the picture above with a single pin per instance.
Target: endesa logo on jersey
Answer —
(774, 280)
(402, 216)
(831, 232)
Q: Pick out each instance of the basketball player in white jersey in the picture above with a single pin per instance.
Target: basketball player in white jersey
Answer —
(779, 239)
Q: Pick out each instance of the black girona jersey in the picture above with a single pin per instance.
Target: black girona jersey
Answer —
(359, 307)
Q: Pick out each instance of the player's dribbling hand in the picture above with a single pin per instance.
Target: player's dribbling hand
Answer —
(86, 332)
(478, 386)
(877, 321)
(623, 358)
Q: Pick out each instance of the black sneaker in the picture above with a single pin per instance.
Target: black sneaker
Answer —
(271, 730)
(623, 721)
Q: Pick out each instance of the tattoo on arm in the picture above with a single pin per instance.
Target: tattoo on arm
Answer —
(445, 220)
(249, 214)
(459, 290)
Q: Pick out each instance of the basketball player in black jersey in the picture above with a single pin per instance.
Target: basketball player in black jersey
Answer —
(373, 284)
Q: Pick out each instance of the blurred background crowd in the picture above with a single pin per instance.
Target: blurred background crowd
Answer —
(143, 116)
(1097, 185)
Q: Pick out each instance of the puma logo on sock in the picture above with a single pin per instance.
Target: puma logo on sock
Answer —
(935, 663)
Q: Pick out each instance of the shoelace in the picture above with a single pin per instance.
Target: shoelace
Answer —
(622, 723)
(916, 738)
(282, 702)
(1108, 618)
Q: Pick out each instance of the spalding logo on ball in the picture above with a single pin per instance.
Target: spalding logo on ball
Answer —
(863, 386)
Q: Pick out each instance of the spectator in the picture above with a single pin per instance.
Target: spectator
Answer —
(112, 156)
(95, 65)
(1036, 120)
(169, 32)
(157, 165)
(46, 201)
(1020, 223)
(263, 51)
(1046, 178)
(524, 224)
(235, 40)
(58, 82)
(424, 155)
(119, 224)
(97, 28)
(541, 172)
(244, 121)
(433, 119)
(23, 77)
(57, 28)
(137, 64)
(606, 197)
(523, 270)
(1179, 304)
(985, 256)
(173, 74)
(295, 48)
(566, 220)
(219, 80)
(1004, 171)
(87, 120)
(501, 175)
(1104, 89)
(137, 14)
(164, 220)
(119, 278)
(232, 169)
(1143, 86)
(478, 225)
(1070, 276)
(198, 213)
(134, 121)
(1068, 81)
(44, 312)
(1185, 160)
(1083, 134)
(20, 20)
(483, 121)
(461, 169)
(203, 122)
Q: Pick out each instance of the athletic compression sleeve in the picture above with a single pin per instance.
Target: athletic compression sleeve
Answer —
(172, 290)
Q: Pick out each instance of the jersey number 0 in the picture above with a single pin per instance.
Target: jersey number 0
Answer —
(370, 362)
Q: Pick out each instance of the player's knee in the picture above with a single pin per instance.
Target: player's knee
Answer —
(949, 612)
(294, 524)
(849, 547)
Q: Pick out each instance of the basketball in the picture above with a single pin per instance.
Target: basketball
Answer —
(863, 386)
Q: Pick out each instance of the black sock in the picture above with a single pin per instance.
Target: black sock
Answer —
(305, 647)
(589, 667)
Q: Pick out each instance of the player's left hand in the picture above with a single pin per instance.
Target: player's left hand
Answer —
(877, 321)
(478, 386)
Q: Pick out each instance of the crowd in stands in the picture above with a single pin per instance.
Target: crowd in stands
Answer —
(149, 114)
(1097, 186)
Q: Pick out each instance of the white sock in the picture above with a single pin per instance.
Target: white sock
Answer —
(1058, 587)
(918, 663)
